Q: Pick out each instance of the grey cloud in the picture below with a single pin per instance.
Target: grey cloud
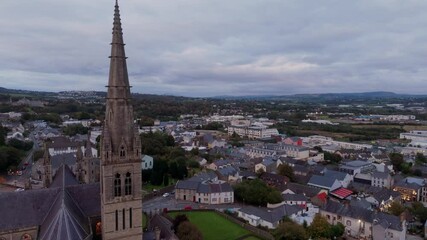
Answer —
(205, 48)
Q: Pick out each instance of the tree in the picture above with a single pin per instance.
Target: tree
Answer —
(180, 218)
(396, 208)
(166, 180)
(318, 148)
(256, 192)
(21, 145)
(397, 160)
(3, 134)
(74, 129)
(333, 157)
(188, 231)
(319, 228)
(289, 230)
(337, 230)
(194, 151)
(419, 211)
(420, 158)
(286, 170)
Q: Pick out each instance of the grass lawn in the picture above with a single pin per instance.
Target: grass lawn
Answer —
(214, 226)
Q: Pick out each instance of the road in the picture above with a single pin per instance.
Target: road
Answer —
(25, 166)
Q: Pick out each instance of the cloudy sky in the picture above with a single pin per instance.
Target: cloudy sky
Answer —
(221, 47)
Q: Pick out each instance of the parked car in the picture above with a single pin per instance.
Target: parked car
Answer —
(165, 194)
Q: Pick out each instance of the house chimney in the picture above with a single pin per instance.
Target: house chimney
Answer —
(157, 233)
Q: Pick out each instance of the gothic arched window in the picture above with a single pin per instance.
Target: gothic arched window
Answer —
(117, 186)
(122, 151)
(128, 184)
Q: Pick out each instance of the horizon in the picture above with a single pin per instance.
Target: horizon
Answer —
(227, 96)
(243, 48)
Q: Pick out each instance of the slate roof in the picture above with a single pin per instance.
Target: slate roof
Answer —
(204, 176)
(268, 161)
(187, 184)
(321, 181)
(384, 194)
(26, 208)
(65, 158)
(228, 171)
(64, 177)
(293, 197)
(303, 189)
(222, 162)
(265, 176)
(60, 212)
(65, 220)
(381, 175)
(366, 215)
(61, 142)
(88, 197)
(214, 188)
(164, 225)
(404, 184)
(335, 174)
(361, 203)
(271, 215)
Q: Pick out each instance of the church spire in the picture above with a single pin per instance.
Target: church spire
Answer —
(118, 84)
(119, 129)
(120, 170)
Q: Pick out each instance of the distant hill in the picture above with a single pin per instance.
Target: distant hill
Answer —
(326, 96)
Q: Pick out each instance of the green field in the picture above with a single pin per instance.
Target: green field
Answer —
(215, 227)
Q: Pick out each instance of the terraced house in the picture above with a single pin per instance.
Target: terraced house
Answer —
(362, 223)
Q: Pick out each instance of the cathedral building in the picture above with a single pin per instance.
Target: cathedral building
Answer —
(108, 209)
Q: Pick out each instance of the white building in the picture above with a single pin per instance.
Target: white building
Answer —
(252, 132)
(415, 135)
(147, 162)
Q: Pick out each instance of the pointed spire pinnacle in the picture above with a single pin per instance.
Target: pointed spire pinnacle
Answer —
(119, 122)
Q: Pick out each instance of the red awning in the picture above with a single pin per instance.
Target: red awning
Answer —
(341, 193)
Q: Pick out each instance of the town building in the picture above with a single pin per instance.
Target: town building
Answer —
(362, 223)
(205, 188)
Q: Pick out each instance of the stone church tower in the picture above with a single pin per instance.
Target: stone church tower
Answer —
(121, 199)
(87, 165)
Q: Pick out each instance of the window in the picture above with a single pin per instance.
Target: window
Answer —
(348, 223)
(117, 186)
(124, 219)
(130, 217)
(128, 184)
(117, 220)
(122, 151)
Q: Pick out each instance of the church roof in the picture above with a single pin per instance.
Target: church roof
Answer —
(61, 211)
(65, 220)
(64, 177)
(26, 208)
